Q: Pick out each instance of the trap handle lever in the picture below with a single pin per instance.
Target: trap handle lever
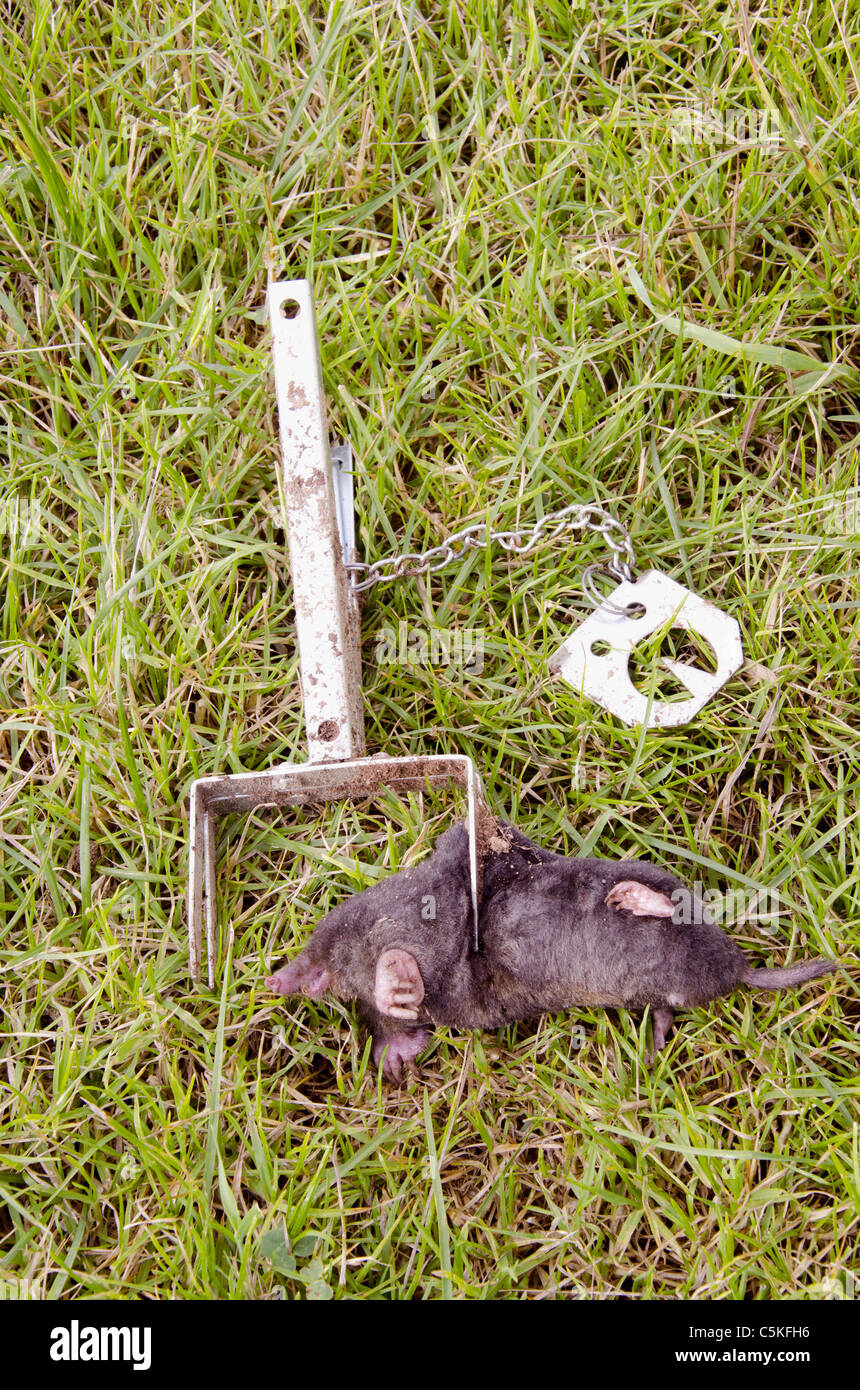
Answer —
(327, 613)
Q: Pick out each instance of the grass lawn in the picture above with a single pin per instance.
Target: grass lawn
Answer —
(608, 253)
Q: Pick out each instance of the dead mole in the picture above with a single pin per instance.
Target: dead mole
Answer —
(555, 933)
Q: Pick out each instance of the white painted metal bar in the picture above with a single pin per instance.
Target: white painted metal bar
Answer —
(327, 616)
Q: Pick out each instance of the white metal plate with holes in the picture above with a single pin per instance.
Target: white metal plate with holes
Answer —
(594, 659)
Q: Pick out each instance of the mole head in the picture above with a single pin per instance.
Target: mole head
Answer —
(353, 955)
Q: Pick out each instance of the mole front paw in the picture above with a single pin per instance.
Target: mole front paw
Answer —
(391, 1050)
(639, 899)
(399, 988)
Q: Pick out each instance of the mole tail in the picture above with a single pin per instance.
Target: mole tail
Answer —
(791, 975)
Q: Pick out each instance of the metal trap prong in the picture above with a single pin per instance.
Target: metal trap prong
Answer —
(302, 784)
(320, 525)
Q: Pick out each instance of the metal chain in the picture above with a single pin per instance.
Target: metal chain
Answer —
(579, 516)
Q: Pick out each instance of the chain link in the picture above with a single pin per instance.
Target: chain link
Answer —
(579, 516)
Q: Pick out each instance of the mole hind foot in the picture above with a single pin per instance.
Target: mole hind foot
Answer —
(391, 1050)
(639, 899)
(661, 1022)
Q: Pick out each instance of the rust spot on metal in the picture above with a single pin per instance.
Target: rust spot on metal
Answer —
(328, 730)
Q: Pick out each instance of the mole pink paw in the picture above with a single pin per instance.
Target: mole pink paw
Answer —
(394, 1049)
(661, 1022)
(399, 988)
(639, 899)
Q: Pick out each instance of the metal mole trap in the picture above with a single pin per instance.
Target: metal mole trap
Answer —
(316, 487)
